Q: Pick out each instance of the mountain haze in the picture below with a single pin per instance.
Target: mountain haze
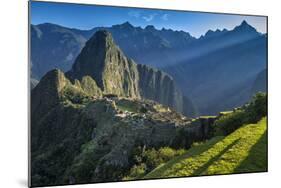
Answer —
(204, 69)
(222, 75)
(260, 83)
(162, 47)
(64, 44)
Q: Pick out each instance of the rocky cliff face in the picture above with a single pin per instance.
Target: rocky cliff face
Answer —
(159, 86)
(105, 62)
(116, 74)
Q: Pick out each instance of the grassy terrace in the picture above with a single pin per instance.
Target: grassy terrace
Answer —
(242, 151)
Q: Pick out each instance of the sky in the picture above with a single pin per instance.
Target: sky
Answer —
(88, 16)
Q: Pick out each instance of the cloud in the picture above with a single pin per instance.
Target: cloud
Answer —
(135, 14)
(149, 18)
(165, 17)
(145, 17)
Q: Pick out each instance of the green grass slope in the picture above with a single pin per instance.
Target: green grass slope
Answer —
(245, 150)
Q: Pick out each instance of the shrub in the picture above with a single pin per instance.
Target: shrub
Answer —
(137, 171)
(250, 113)
(226, 124)
(146, 160)
(166, 153)
(257, 108)
(152, 159)
(143, 109)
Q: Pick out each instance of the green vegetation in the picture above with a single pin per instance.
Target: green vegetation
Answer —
(226, 112)
(75, 95)
(257, 108)
(242, 151)
(147, 160)
(89, 85)
(206, 117)
(250, 113)
(228, 123)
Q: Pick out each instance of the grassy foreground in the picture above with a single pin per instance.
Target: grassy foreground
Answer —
(245, 150)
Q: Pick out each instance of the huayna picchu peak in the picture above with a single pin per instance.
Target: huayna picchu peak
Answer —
(114, 73)
(105, 62)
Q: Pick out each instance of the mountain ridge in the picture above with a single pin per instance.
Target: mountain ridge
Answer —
(165, 38)
(162, 48)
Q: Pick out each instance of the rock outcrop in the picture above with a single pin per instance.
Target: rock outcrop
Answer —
(102, 60)
(159, 86)
(114, 73)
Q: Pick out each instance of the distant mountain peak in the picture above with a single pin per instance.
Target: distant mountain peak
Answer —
(209, 32)
(128, 24)
(212, 33)
(150, 27)
(244, 26)
(125, 25)
(50, 25)
(244, 22)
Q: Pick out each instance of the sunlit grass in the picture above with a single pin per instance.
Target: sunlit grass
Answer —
(226, 112)
(207, 117)
(242, 151)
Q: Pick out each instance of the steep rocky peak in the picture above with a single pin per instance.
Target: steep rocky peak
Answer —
(104, 61)
(94, 56)
(125, 25)
(102, 40)
(150, 28)
(54, 79)
(114, 73)
(47, 93)
(214, 33)
(244, 26)
(244, 23)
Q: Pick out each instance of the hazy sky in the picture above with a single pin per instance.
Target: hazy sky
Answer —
(89, 16)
